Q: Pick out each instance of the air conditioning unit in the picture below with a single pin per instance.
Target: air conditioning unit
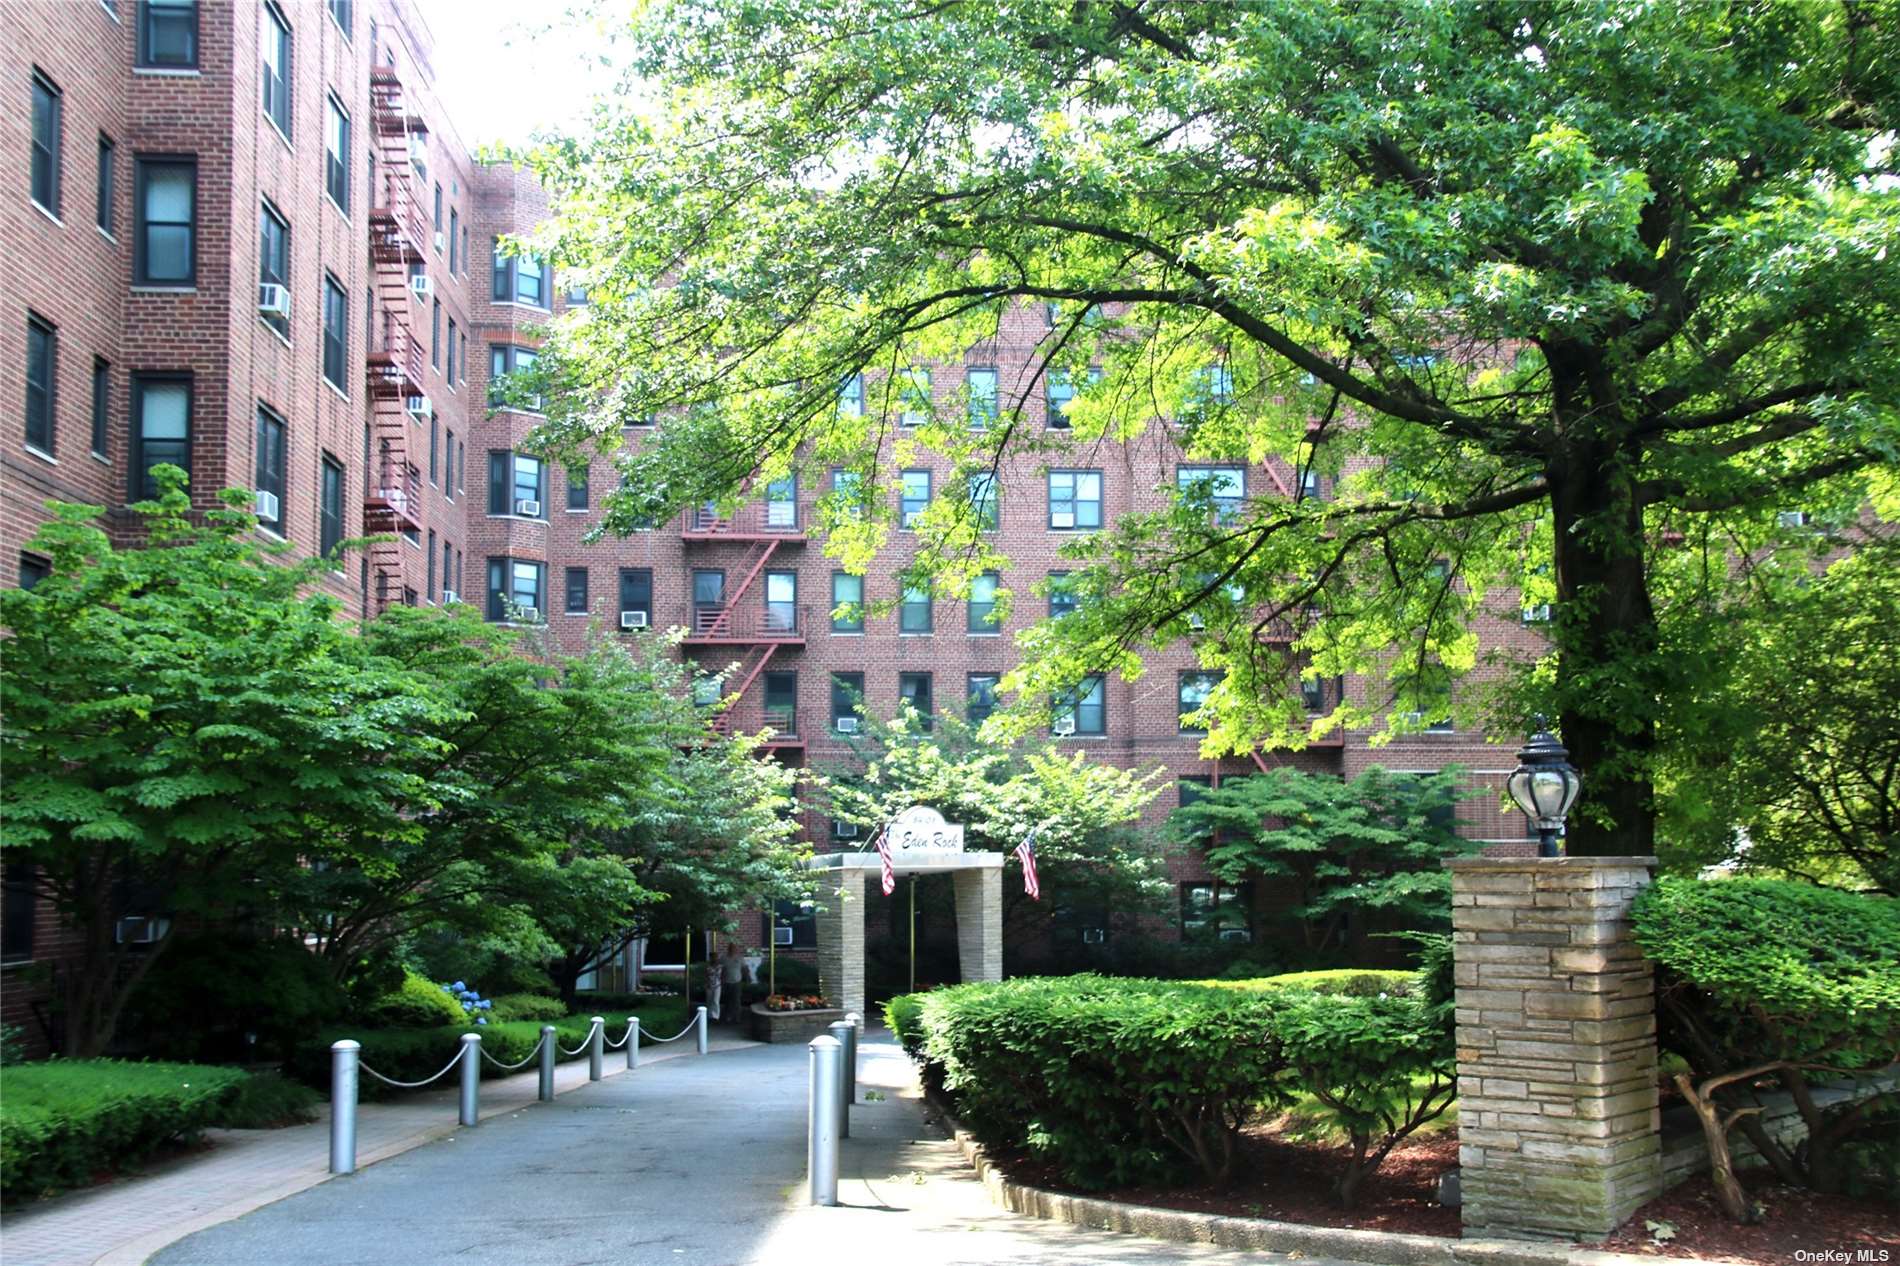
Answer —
(1062, 518)
(420, 285)
(846, 725)
(528, 615)
(417, 406)
(438, 240)
(633, 619)
(844, 830)
(781, 936)
(1062, 727)
(1236, 934)
(528, 509)
(273, 299)
(1791, 518)
(1094, 936)
(1195, 621)
(267, 505)
(1412, 718)
(1537, 614)
(449, 595)
(141, 929)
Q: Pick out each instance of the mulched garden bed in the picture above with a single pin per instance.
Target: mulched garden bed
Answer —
(1797, 1221)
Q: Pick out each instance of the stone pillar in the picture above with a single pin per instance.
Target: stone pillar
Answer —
(980, 923)
(1558, 1127)
(840, 927)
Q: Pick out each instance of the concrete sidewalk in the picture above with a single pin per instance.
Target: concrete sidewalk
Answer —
(124, 1222)
(696, 1161)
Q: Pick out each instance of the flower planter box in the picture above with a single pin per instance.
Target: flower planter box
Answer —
(789, 1026)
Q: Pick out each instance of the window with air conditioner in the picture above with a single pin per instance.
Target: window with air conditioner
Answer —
(847, 691)
(269, 476)
(842, 830)
(273, 269)
(516, 484)
(636, 597)
(515, 588)
(1084, 710)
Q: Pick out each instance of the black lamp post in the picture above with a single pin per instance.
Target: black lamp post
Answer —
(1545, 785)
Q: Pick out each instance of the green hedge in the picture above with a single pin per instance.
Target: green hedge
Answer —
(1357, 982)
(64, 1121)
(526, 1006)
(418, 1003)
(1122, 1081)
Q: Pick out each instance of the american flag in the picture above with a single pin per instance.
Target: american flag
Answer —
(1026, 852)
(883, 847)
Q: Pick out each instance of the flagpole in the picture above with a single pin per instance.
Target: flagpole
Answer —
(913, 933)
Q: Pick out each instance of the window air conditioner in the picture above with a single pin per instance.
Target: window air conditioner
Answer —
(1062, 727)
(449, 595)
(844, 830)
(1236, 934)
(1094, 936)
(633, 619)
(417, 406)
(273, 299)
(1791, 518)
(1062, 518)
(421, 286)
(267, 505)
(528, 509)
(846, 725)
(1411, 718)
(1195, 621)
(438, 240)
(781, 936)
(528, 615)
(1537, 614)
(141, 929)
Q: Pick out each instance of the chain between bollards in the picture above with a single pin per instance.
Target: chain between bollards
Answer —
(469, 1109)
(343, 1060)
(821, 1120)
(545, 1092)
(704, 1043)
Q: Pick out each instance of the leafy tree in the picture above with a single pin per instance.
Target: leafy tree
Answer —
(1341, 849)
(1088, 855)
(1541, 287)
(180, 722)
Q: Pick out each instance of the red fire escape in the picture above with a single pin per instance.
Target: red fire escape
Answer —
(398, 231)
(757, 630)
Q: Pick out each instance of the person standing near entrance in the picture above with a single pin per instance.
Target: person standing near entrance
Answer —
(732, 982)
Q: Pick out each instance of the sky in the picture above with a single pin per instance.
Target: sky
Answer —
(505, 70)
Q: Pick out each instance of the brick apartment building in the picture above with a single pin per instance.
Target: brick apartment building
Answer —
(244, 237)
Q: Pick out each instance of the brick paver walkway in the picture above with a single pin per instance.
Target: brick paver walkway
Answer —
(122, 1223)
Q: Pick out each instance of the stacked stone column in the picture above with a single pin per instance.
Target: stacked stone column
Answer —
(840, 927)
(980, 923)
(1558, 1125)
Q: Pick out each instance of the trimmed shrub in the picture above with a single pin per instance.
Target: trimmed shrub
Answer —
(419, 1003)
(267, 1101)
(1763, 977)
(210, 994)
(65, 1121)
(904, 1016)
(1354, 982)
(526, 1006)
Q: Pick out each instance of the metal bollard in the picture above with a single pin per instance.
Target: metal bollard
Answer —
(548, 1053)
(343, 1060)
(840, 1031)
(596, 1048)
(471, 1105)
(702, 1031)
(633, 1043)
(856, 1022)
(821, 1121)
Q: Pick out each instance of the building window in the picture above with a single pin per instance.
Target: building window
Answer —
(847, 602)
(1310, 486)
(336, 335)
(269, 480)
(436, 221)
(514, 590)
(1215, 911)
(165, 250)
(105, 209)
(101, 406)
(19, 908)
(1224, 486)
(1061, 388)
(33, 569)
(636, 593)
(914, 498)
(576, 591)
(340, 10)
(781, 503)
(1191, 787)
(273, 264)
(505, 359)
(914, 614)
(1192, 692)
(577, 490)
(520, 279)
(450, 378)
(448, 582)
(781, 601)
(851, 397)
(161, 428)
(330, 510)
(916, 398)
(1075, 500)
(435, 335)
(515, 484)
(982, 385)
(1084, 710)
(781, 702)
(985, 505)
(980, 695)
(277, 69)
(455, 246)
(435, 447)
(846, 690)
(1313, 693)
(1062, 595)
(847, 490)
(982, 608)
(336, 154)
(47, 142)
(42, 370)
(168, 34)
(914, 689)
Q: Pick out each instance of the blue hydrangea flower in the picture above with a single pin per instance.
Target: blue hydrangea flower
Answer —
(481, 1019)
(458, 986)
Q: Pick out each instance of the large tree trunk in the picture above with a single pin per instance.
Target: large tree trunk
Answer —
(1608, 676)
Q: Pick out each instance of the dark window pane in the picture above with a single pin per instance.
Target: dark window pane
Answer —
(105, 211)
(276, 71)
(165, 252)
(269, 474)
(101, 406)
(168, 33)
(336, 335)
(46, 142)
(42, 357)
(577, 591)
(161, 429)
(18, 913)
(330, 511)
